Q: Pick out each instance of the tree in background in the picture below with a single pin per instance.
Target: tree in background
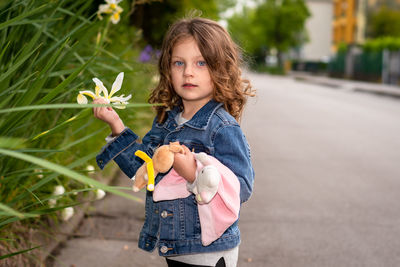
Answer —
(248, 34)
(154, 18)
(274, 24)
(384, 22)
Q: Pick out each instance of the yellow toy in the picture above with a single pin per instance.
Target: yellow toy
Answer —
(161, 162)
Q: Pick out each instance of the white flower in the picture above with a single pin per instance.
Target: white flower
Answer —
(100, 194)
(112, 8)
(52, 202)
(100, 88)
(58, 190)
(67, 213)
(90, 168)
(155, 79)
(38, 173)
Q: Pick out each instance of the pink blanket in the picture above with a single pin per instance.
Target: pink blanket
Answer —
(217, 215)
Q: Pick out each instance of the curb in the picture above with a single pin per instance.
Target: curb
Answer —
(356, 86)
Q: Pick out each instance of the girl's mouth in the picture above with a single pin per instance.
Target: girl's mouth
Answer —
(189, 85)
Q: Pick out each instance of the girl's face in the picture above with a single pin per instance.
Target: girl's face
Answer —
(190, 75)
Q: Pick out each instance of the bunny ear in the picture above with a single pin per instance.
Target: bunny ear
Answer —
(176, 147)
(203, 158)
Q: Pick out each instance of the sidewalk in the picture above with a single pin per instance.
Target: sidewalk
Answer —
(108, 236)
(357, 86)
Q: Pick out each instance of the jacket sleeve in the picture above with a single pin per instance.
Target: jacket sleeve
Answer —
(122, 150)
(232, 149)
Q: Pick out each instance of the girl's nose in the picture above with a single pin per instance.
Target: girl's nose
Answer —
(188, 71)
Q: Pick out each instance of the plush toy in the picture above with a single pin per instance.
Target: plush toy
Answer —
(216, 188)
(217, 192)
(208, 177)
(161, 162)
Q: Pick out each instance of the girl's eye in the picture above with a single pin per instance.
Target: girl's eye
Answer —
(178, 63)
(201, 63)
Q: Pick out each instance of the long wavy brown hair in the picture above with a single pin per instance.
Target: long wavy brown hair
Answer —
(223, 58)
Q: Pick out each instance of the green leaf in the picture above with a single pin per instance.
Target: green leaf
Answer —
(64, 83)
(16, 65)
(67, 172)
(35, 88)
(83, 139)
(17, 84)
(62, 125)
(17, 19)
(11, 142)
(66, 11)
(73, 106)
(18, 252)
(10, 212)
(51, 177)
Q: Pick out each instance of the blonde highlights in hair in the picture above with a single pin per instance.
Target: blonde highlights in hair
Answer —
(223, 59)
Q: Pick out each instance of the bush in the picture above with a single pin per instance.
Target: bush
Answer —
(269, 69)
(379, 44)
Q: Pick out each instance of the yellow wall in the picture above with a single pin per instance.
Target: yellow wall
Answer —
(344, 22)
(345, 16)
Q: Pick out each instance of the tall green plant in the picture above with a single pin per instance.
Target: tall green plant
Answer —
(49, 50)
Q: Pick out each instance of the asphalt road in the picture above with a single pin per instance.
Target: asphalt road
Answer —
(327, 177)
(326, 191)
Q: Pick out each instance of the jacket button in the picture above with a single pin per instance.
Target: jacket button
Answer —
(101, 161)
(164, 249)
(164, 214)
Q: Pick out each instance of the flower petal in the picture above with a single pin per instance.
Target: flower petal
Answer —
(115, 18)
(104, 9)
(58, 190)
(88, 93)
(117, 84)
(67, 213)
(81, 99)
(100, 194)
(120, 106)
(101, 86)
(120, 98)
(97, 91)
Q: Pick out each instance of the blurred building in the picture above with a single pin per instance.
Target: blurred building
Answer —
(318, 26)
(350, 19)
(344, 26)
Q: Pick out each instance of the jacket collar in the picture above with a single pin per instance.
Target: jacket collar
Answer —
(202, 117)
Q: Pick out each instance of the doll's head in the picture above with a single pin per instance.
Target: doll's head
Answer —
(223, 60)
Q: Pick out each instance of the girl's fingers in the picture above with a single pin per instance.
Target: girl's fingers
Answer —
(185, 149)
(99, 111)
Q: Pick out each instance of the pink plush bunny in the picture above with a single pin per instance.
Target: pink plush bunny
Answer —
(208, 178)
(217, 191)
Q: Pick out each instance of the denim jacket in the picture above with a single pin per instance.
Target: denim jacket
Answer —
(173, 226)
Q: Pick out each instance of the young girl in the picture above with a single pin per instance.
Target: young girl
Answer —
(203, 96)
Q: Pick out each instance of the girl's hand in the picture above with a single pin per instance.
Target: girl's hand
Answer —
(185, 165)
(109, 116)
